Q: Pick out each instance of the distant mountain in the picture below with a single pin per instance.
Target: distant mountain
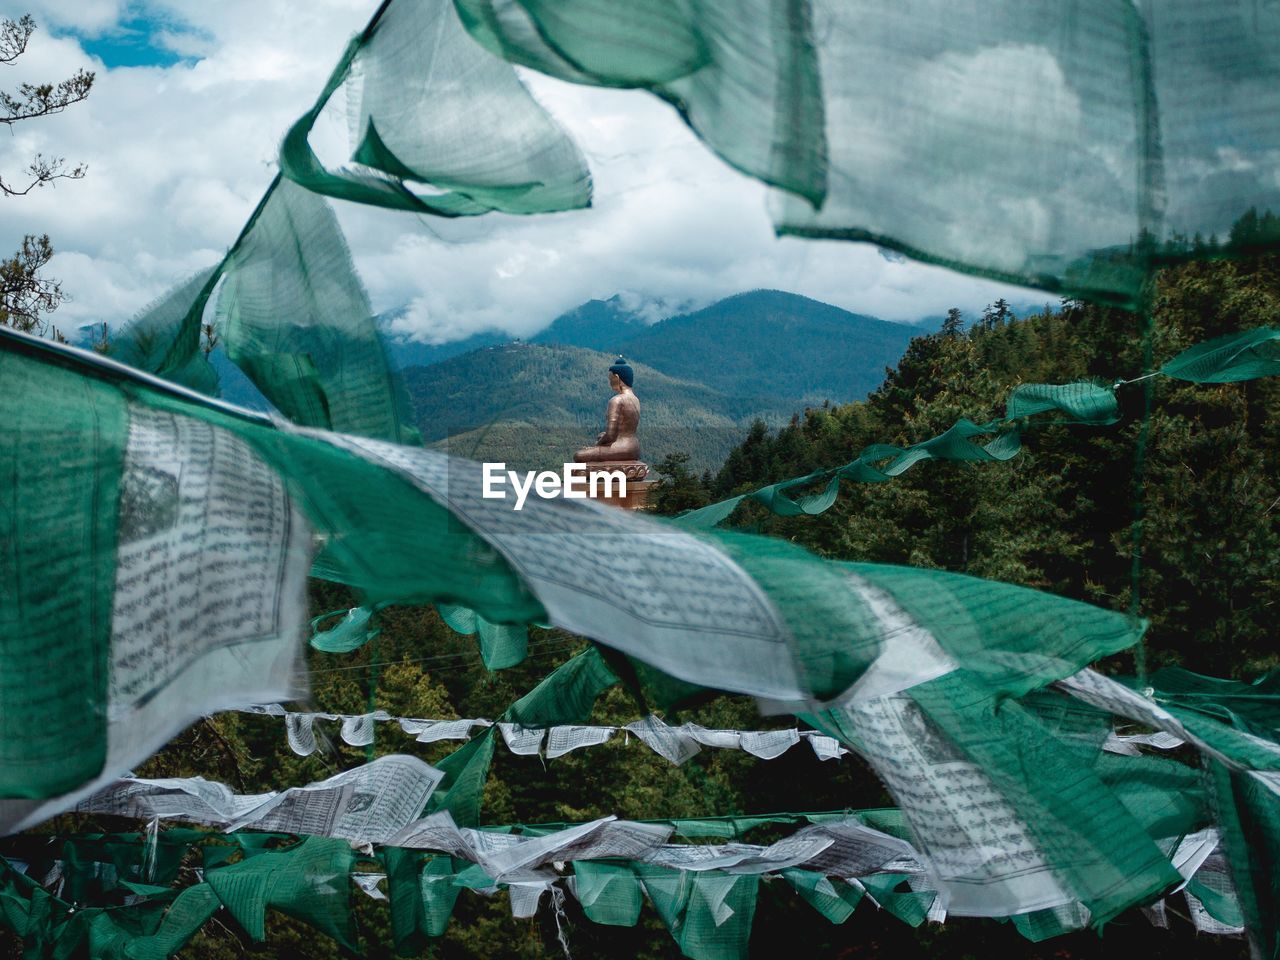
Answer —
(702, 377)
(532, 405)
(596, 325)
(404, 351)
(765, 343)
(414, 353)
(775, 344)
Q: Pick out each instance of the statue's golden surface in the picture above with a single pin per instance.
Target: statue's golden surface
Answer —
(618, 446)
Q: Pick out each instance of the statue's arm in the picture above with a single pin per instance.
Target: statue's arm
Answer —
(612, 421)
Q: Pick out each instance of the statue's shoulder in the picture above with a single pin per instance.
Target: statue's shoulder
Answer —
(624, 400)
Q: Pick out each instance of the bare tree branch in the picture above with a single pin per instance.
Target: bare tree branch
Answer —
(26, 295)
(43, 170)
(43, 99)
(14, 35)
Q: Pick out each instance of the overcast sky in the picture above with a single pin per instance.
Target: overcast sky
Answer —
(180, 136)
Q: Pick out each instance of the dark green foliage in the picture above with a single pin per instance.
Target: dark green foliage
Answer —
(953, 325)
(1059, 516)
(677, 489)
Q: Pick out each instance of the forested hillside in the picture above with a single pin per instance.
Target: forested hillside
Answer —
(532, 406)
(1059, 516)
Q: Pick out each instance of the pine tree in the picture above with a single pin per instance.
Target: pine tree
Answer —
(26, 295)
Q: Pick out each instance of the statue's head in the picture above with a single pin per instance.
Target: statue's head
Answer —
(621, 370)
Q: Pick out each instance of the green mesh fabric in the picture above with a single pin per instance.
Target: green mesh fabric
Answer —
(187, 914)
(1165, 799)
(1041, 925)
(501, 645)
(667, 891)
(91, 869)
(1233, 724)
(460, 619)
(403, 867)
(836, 635)
(957, 79)
(609, 892)
(1080, 402)
(876, 120)
(1017, 816)
(296, 319)
(60, 467)
(1102, 854)
(743, 77)
(422, 895)
(1011, 639)
(1248, 814)
(148, 340)
(1217, 895)
(1229, 359)
(834, 899)
(894, 894)
(957, 444)
(457, 119)
(351, 632)
(291, 313)
(1252, 707)
(308, 882)
(375, 524)
(438, 893)
(461, 792)
(567, 695)
(24, 905)
(846, 618)
(716, 923)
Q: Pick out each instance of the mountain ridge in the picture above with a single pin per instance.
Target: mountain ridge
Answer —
(532, 405)
(775, 343)
(703, 377)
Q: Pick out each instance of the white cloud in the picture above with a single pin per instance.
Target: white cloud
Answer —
(89, 16)
(179, 155)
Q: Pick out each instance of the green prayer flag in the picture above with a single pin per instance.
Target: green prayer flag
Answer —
(309, 882)
(1229, 359)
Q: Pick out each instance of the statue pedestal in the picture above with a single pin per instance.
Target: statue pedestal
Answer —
(637, 495)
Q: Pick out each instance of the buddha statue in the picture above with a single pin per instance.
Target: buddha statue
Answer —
(618, 447)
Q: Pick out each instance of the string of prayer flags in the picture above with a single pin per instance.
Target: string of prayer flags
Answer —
(703, 893)
(1083, 403)
(672, 743)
